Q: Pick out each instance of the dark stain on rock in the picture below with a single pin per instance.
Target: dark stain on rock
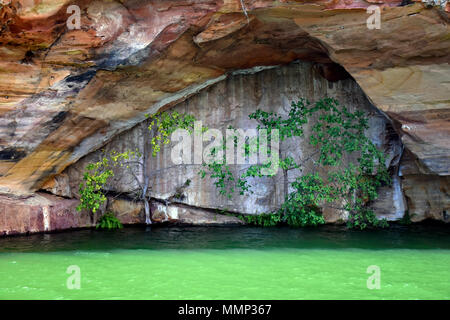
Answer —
(113, 60)
(332, 71)
(28, 59)
(407, 2)
(56, 121)
(87, 76)
(12, 154)
(59, 117)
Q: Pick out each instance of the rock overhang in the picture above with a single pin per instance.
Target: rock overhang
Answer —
(65, 93)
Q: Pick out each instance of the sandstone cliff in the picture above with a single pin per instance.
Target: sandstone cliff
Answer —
(65, 93)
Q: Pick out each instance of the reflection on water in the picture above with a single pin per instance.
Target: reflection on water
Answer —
(410, 237)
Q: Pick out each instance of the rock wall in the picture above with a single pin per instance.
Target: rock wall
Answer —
(421, 193)
(427, 194)
(229, 103)
(41, 213)
(65, 92)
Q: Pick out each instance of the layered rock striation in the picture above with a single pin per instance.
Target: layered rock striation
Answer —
(65, 93)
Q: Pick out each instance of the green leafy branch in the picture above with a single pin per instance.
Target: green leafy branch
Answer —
(336, 133)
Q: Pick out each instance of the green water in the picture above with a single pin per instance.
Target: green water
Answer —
(228, 263)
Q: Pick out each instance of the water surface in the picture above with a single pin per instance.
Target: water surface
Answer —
(228, 263)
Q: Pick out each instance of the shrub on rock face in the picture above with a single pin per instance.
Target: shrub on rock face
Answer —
(108, 221)
(336, 133)
(96, 175)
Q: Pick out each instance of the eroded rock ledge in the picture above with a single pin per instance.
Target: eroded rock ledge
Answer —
(44, 212)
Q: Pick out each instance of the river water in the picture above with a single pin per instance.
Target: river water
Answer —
(228, 263)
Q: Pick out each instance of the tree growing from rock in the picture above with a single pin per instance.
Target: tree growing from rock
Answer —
(336, 134)
(97, 174)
